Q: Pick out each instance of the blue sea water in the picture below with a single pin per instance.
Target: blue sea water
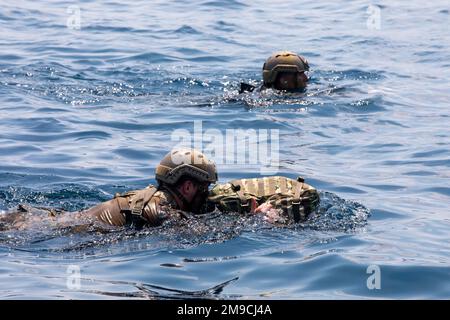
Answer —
(90, 111)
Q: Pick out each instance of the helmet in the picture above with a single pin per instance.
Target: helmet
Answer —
(283, 61)
(185, 163)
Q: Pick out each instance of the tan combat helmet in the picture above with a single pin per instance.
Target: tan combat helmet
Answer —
(185, 162)
(283, 61)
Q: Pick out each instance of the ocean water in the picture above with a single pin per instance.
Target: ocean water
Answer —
(90, 99)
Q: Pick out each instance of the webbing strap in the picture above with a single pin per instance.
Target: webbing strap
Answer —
(137, 202)
(296, 202)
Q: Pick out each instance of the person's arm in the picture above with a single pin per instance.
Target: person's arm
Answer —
(153, 213)
(109, 212)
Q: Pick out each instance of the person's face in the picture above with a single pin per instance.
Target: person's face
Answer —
(195, 193)
(291, 81)
(200, 198)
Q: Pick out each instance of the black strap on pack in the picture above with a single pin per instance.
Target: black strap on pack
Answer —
(296, 210)
(296, 201)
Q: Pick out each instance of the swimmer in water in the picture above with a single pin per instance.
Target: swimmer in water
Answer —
(184, 177)
(283, 71)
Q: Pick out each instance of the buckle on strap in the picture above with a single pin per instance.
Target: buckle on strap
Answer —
(134, 216)
(137, 208)
(245, 205)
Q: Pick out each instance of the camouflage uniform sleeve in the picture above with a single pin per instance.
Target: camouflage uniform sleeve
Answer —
(109, 212)
(158, 209)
